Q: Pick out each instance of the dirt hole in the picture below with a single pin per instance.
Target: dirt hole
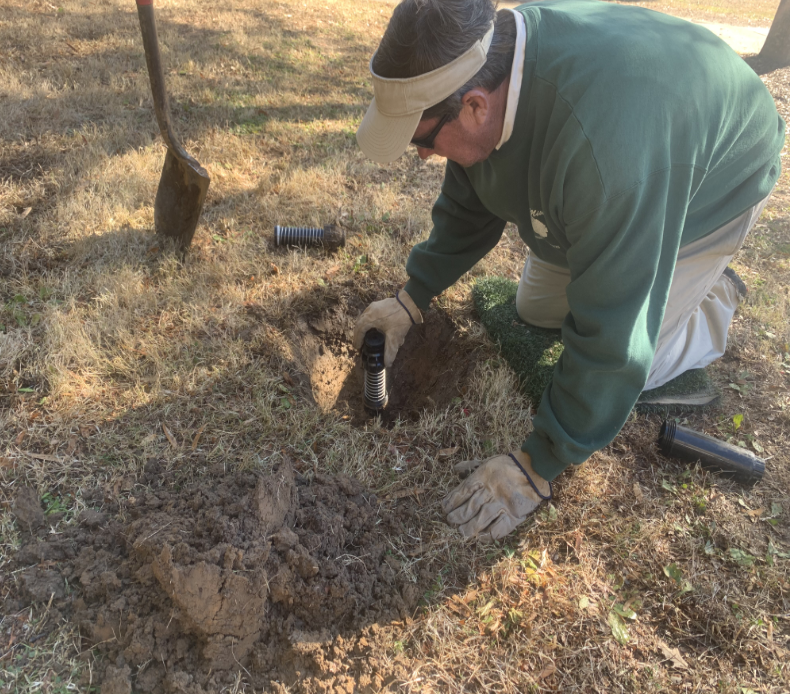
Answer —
(433, 366)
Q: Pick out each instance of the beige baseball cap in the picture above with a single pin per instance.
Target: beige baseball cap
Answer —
(398, 103)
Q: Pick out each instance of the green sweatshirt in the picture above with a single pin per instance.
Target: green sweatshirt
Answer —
(636, 133)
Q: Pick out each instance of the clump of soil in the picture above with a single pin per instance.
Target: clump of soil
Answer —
(283, 577)
(432, 367)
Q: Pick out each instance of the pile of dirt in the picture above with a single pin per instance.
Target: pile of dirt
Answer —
(284, 578)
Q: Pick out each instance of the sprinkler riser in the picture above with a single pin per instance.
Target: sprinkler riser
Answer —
(330, 237)
(375, 386)
(376, 390)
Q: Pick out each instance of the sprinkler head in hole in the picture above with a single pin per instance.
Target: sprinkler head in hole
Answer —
(375, 391)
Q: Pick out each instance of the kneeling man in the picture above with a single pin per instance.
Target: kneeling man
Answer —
(633, 150)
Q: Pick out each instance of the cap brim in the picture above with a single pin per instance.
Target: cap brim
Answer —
(384, 138)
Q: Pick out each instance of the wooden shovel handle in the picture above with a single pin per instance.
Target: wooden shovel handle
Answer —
(145, 12)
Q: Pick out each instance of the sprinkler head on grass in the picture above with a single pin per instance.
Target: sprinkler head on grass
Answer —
(730, 461)
(330, 237)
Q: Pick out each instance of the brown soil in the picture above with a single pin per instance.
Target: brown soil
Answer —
(177, 590)
(431, 369)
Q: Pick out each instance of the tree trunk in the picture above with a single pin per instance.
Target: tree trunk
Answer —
(776, 50)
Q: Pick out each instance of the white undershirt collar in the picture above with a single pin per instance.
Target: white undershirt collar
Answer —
(516, 75)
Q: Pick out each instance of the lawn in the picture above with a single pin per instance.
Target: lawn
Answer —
(133, 380)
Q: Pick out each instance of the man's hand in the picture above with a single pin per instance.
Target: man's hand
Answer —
(393, 317)
(497, 497)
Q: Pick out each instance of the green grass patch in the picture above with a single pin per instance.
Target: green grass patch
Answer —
(532, 353)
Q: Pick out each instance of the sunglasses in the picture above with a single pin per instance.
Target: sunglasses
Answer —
(429, 140)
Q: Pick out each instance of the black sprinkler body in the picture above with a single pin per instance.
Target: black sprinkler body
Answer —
(375, 390)
(330, 237)
(731, 461)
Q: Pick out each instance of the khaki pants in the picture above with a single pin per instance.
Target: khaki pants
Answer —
(699, 309)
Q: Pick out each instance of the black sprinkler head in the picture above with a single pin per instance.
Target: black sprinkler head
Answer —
(330, 237)
(375, 374)
(731, 461)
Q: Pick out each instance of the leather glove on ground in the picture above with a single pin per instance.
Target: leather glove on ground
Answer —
(496, 497)
(393, 317)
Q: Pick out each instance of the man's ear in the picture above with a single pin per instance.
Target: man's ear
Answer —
(476, 104)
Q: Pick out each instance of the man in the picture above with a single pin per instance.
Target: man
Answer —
(633, 150)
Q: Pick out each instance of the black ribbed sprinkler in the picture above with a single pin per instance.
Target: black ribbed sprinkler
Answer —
(731, 461)
(375, 374)
(330, 237)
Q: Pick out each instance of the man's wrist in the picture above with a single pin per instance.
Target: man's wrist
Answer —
(524, 462)
(418, 293)
(545, 463)
(408, 305)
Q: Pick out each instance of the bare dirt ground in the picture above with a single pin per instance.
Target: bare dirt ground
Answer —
(176, 588)
(192, 497)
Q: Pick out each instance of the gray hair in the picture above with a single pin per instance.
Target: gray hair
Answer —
(423, 35)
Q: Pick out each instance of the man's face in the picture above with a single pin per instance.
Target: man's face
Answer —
(472, 136)
(452, 142)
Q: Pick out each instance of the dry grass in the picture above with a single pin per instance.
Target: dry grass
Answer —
(106, 338)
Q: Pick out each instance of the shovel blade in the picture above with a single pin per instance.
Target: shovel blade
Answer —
(179, 198)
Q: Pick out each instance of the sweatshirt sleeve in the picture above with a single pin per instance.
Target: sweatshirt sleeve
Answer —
(621, 259)
(463, 232)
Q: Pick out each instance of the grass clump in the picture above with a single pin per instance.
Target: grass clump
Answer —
(531, 352)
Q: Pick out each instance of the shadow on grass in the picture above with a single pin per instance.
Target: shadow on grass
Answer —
(98, 103)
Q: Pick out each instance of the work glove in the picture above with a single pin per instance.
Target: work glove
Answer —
(393, 317)
(496, 497)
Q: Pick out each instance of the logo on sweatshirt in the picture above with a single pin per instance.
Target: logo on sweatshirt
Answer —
(539, 224)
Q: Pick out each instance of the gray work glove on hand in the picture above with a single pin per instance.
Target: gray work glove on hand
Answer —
(496, 497)
(393, 317)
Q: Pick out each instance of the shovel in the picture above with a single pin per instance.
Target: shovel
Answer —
(184, 182)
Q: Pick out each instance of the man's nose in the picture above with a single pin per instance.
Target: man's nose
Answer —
(424, 153)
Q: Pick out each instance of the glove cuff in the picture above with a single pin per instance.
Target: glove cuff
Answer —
(529, 479)
(405, 308)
